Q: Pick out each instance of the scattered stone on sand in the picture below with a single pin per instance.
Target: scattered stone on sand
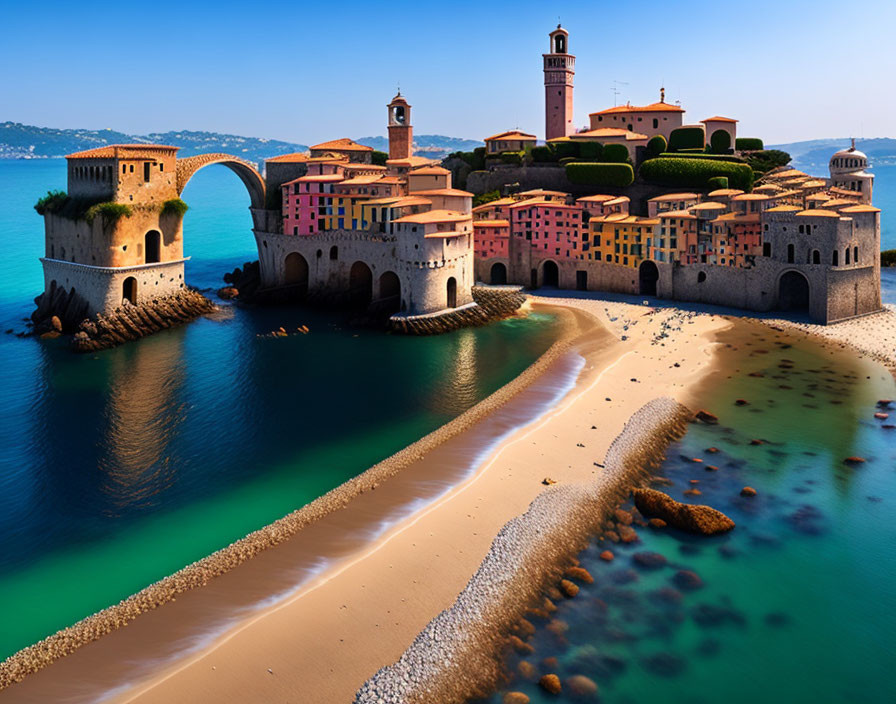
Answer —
(706, 417)
(691, 518)
(623, 517)
(649, 560)
(527, 670)
(656, 523)
(687, 580)
(550, 683)
(581, 687)
(520, 646)
(515, 698)
(581, 574)
(748, 491)
(569, 589)
(607, 556)
(547, 481)
(854, 460)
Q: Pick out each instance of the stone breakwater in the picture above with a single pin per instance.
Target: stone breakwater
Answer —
(491, 304)
(60, 311)
(45, 652)
(458, 656)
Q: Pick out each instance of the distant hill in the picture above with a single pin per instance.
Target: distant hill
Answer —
(18, 141)
(812, 156)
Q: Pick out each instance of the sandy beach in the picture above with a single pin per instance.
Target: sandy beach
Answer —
(364, 599)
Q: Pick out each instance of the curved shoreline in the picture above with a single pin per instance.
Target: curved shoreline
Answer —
(457, 656)
(43, 653)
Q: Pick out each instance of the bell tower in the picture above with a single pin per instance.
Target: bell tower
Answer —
(559, 68)
(401, 134)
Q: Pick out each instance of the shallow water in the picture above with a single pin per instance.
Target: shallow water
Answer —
(119, 468)
(796, 602)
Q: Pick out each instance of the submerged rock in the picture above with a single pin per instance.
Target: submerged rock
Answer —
(581, 687)
(693, 519)
(664, 664)
(687, 580)
(581, 574)
(551, 683)
(515, 698)
(706, 417)
(748, 491)
(569, 589)
(607, 556)
(649, 560)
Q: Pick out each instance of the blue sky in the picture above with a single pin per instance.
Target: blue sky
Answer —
(302, 72)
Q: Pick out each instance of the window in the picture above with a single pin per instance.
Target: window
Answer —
(790, 254)
(146, 168)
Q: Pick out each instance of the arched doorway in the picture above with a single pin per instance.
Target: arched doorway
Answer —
(648, 275)
(550, 274)
(129, 290)
(295, 272)
(152, 247)
(390, 292)
(498, 274)
(793, 291)
(360, 285)
(452, 292)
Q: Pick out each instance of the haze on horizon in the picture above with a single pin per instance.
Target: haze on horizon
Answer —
(788, 71)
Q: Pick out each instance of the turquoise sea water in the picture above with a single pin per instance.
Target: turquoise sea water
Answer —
(796, 602)
(119, 468)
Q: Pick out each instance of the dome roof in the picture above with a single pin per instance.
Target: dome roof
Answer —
(851, 153)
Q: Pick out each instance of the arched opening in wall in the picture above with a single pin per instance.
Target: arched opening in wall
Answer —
(766, 249)
(129, 290)
(855, 255)
(334, 253)
(295, 272)
(648, 275)
(152, 246)
(846, 257)
(835, 258)
(816, 256)
(390, 293)
(550, 274)
(701, 277)
(451, 287)
(498, 275)
(360, 285)
(790, 254)
(581, 281)
(793, 291)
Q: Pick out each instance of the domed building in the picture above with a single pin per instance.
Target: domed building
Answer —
(847, 169)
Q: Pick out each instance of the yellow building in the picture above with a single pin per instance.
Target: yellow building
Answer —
(618, 239)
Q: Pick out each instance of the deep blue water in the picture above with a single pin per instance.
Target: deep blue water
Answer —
(119, 468)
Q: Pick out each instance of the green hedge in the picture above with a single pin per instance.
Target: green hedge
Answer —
(720, 141)
(695, 173)
(602, 174)
(543, 155)
(687, 138)
(616, 154)
(656, 146)
(568, 160)
(565, 149)
(486, 197)
(175, 206)
(511, 157)
(888, 257)
(378, 158)
(700, 155)
(717, 182)
(767, 159)
(475, 158)
(593, 151)
(748, 144)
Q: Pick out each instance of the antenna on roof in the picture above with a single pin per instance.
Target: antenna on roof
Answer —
(616, 91)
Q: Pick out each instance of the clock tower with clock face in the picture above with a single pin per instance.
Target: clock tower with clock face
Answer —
(401, 134)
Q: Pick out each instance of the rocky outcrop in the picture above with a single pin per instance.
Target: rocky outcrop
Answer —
(131, 322)
(58, 310)
(704, 520)
(491, 304)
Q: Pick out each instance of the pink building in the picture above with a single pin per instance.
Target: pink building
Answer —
(491, 238)
(306, 199)
(552, 227)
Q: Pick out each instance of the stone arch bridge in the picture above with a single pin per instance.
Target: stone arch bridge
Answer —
(248, 174)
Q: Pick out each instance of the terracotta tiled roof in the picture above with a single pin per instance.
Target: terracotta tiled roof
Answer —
(294, 157)
(653, 107)
(709, 205)
(343, 145)
(607, 132)
(725, 192)
(410, 162)
(494, 203)
(673, 196)
(123, 151)
(398, 201)
(442, 192)
(751, 196)
(541, 192)
(431, 216)
(719, 119)
(860, 209)
(818, 213)
(682, 214)
(430, 171)
(511, 135)
(491, 223)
